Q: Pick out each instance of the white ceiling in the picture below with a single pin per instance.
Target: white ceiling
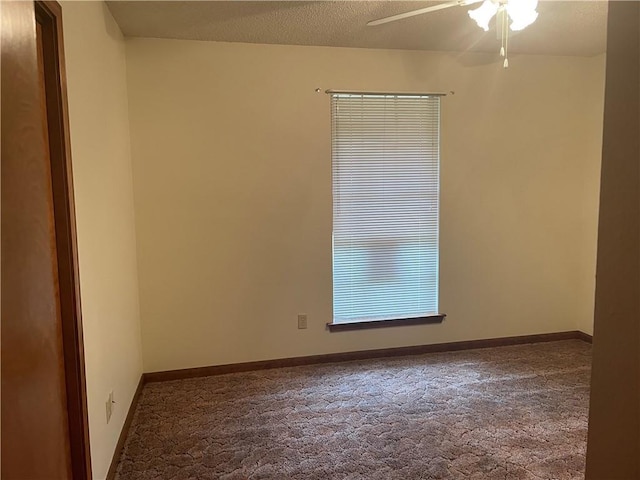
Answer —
(563, 27)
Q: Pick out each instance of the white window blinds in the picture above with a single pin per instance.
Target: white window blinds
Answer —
(385, 151)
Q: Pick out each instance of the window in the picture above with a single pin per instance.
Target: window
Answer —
(386, 151)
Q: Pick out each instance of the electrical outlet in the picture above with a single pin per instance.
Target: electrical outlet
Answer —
(302, 321)
(109, 405)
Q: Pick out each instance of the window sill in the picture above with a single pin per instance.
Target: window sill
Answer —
(343, 327)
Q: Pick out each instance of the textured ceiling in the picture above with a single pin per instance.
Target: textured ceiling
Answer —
(563, 27)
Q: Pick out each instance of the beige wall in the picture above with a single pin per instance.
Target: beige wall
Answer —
(96, 75)
(232, 183)
(594, 83)
(613, 450)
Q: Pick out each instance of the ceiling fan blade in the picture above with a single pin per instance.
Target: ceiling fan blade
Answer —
(413, 13)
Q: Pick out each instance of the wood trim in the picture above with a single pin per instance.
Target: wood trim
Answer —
(396, 322)
(111, 474)
(49, 16)
(585, 337)
(359, 355)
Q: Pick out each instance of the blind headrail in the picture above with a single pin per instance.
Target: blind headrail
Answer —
(397, 94)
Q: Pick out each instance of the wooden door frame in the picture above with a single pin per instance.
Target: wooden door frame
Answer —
(49, 15)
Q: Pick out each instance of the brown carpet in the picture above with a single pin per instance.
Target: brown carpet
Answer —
(510, 413)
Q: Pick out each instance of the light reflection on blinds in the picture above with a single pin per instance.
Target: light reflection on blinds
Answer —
(385, 151)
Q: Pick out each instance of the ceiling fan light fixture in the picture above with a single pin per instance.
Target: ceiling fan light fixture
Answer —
(484, 13)
(522, 13)
(510, 15)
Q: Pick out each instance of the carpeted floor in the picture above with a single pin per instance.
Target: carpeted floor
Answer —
(502, 413)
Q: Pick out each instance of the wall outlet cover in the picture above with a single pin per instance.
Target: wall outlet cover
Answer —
(108, 405)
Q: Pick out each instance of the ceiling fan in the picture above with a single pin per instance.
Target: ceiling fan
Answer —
(512, 15)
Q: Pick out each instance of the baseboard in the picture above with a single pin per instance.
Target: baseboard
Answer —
(111, 474)
(585, 337)
(361, 355)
